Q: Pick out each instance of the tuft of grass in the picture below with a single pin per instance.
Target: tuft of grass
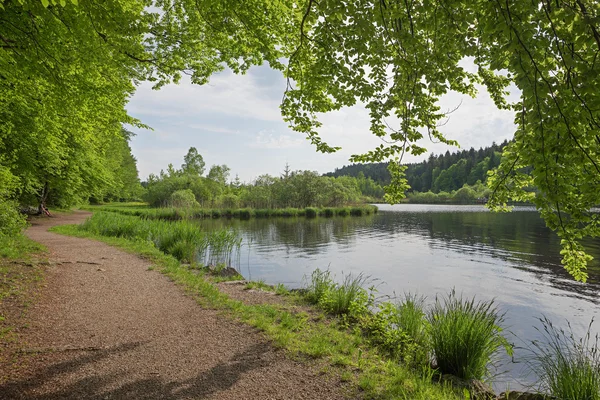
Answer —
(311, 212)
(335, 298)
(280, 289)
(465, 335)
(320, 282)
(339, 299)
(260, 285)
(568, 367)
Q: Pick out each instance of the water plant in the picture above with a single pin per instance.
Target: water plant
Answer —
(465, 335)
(181, 239)
(311, 212)
(568, 367)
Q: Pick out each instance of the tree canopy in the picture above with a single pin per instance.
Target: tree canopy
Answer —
(67, 69)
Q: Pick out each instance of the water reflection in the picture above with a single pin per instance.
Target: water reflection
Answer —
(512, 258)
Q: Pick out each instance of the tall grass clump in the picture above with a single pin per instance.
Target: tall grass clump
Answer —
(328, 212)
(568, 368)
(320, 282)
(357, 211)
(182, 239)
(465, 335)
(341, 297)
(342, 212)
(336, 298)
(311, 212)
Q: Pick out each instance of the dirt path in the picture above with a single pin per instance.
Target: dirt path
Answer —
(120, 331)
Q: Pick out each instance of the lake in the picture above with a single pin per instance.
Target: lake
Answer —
(430, 249)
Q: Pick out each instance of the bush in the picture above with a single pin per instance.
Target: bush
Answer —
(183, 198)
(568, 368)
(12, 222)
(465, 336)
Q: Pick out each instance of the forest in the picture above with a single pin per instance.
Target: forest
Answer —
(457, 177)
(443, 172)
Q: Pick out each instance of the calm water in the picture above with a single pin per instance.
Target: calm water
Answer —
(512, 258)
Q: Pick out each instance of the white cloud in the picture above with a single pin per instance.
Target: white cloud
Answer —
(269, 140)
(226, 94)
(232, 106)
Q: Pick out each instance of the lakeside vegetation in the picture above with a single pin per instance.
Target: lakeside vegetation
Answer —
(181, 213)
(189, 186)
(384, 349)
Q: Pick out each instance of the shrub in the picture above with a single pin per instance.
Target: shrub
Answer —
(11, 220)
(465, 335)
(568, 368)
(183, 198)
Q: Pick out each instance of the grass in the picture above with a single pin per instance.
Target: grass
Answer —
(182, 239)
(569, 367)
(177, 214)
(465, 336)
(21, 273)
(328, 342)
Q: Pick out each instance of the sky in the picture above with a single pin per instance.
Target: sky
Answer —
(235, 120)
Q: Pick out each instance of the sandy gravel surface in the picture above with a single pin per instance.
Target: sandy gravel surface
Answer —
(108, 328)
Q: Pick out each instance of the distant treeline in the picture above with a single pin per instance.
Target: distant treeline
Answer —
(439, 173)
(190, 187)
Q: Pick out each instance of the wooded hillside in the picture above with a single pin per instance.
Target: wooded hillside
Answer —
(443, 172)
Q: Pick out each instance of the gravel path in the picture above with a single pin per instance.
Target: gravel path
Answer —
(108, 328)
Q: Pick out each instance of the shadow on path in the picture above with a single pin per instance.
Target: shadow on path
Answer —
(102, 385)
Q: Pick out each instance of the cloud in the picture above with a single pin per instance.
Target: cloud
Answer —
(225, 94)
(268, 140)
(223, 118)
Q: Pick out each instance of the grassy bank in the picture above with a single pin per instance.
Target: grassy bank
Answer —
(176, 214)
(22, 266)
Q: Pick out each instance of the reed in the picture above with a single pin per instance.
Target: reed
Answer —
(465, 335)
(181, 239)
(178, 214)
(568, 367)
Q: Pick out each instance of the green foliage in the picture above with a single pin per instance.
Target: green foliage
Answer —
(568, 367)
(11, 220)
(400, 58)
(183, 198)
(465, 335)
